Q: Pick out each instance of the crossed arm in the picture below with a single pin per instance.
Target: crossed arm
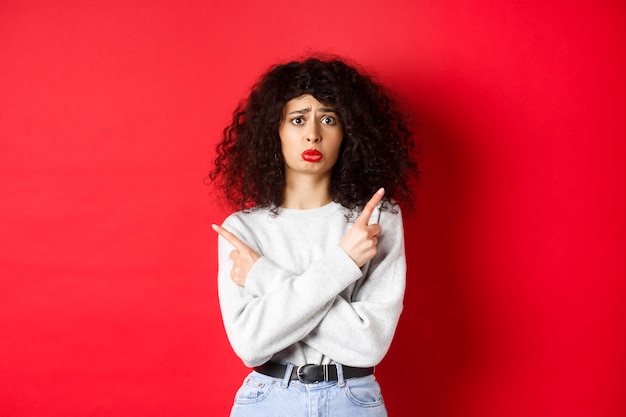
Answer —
(320, 314)
(359, 243)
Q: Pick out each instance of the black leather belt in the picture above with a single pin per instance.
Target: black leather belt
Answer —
(311, 374)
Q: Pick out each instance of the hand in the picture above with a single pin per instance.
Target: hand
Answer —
(243, 257)
(361, 240)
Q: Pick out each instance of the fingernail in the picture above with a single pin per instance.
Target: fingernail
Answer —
(214, 227)
(381, 191)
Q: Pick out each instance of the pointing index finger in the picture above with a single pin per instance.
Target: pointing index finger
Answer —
(231, 238)
(365, 215)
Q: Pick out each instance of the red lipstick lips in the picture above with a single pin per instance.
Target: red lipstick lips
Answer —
(312, 155)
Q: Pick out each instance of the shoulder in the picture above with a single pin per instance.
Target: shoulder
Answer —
(390, 209)
(390, 213)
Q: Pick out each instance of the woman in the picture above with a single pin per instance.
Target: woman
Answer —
(312, 266)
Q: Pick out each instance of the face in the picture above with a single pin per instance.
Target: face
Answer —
(310, 136)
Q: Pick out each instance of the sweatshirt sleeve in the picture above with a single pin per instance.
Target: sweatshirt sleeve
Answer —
(358, 332)
(270, 315)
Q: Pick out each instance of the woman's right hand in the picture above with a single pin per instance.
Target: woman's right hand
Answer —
(242, 256)
(361, 240)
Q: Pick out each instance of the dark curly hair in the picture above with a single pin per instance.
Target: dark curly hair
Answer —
(376, 150)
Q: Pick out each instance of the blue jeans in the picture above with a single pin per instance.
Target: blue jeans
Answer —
(264, 396)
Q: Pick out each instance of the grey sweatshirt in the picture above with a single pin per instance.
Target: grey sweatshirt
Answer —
(305, 300)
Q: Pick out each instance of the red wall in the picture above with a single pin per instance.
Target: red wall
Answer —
(109, 113)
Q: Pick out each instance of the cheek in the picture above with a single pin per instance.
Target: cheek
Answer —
(285, 140)
(287, 145)
(338, 140)
(289, 149)
(334, 152)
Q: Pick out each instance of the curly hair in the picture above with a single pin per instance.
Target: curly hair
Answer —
(376, 150)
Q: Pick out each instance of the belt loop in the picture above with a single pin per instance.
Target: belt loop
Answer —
(287, 377)
(340, 380)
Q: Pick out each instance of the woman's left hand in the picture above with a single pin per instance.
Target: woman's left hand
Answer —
(243, 257)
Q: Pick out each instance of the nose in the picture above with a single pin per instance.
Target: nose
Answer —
(313, 134)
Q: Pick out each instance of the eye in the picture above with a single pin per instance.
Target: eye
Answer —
(329, 120)
(297, 121)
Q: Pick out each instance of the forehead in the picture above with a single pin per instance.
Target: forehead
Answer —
(306, 102)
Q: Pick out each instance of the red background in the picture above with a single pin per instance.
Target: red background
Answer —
(109, 114)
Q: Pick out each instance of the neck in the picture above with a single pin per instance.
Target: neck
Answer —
(306, 192)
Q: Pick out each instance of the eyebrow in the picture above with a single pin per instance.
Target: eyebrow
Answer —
(308, 110)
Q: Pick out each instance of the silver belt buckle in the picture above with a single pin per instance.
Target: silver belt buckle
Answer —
(300, 373)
